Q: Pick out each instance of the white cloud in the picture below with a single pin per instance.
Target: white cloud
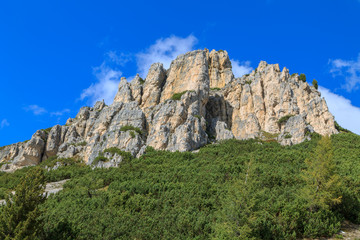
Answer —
(106, 87)
(164, 51)
(35, 109)
(4, 123)
(60, 113)
(239, 69)
(346, 114)
(119, 58)
(350, 69)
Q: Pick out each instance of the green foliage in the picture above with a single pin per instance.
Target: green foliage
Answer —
(19, 217)
(177, 96)
(100, 158)
(248, 82)
(229, 190)
(142, 81)
(302, 77)
(126, 155)
(83, 143)
(284, 119)
(47, 130)
(322, 183)
(132, 134)
(52, 161)
(215, 89)
(197, 116)
(150, 149)
(268, 136)
(340, 129)
(131, 128)
(220, 51)
(287, 136)
(315, 84)
(294, 74)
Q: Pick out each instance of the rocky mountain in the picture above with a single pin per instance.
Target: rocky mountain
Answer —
(196, 101)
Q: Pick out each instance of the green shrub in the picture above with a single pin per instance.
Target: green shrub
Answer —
(294, 74)
(53, 160)
(287, 136)
(177, 96)
(99, 158)
(315, 84)
(248, 82)
(126, 155)
(132, 134)
(220, 51)
(340, 129)
(268, 135)
(142, 81)
(149, 149)
(284, 119)
(302, 77)
(47, 130)
(131, 128)
(198, 116)
(215, 89)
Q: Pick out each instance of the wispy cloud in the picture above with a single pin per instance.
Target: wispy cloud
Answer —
(349, 69)
(4, 123)
(164, 51)
(60, 113)
(346, 114)
(118, 58)
(240, 68)
(106, 86)
(35, 109)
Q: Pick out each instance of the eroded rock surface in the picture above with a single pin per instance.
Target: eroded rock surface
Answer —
(196, 101)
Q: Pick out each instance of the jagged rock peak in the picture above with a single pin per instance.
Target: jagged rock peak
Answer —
(194, 102)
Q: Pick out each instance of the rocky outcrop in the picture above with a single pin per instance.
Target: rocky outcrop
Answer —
(196, 101)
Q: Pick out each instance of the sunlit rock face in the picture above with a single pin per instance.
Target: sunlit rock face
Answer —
(194, 102)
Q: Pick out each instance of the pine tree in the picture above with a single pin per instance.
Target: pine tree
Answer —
(237, 216)
(19, 217)
(322, 183)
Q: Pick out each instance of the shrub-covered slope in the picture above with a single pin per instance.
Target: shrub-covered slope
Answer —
(234, 189)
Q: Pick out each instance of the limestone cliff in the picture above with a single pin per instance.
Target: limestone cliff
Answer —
(194, 102)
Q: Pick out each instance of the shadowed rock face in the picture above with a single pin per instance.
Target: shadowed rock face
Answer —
(209, 104)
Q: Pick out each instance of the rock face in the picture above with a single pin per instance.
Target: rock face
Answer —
(196, 101)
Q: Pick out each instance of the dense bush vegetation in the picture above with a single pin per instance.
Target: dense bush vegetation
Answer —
(131, 128)
(235, 189)
(302, 77)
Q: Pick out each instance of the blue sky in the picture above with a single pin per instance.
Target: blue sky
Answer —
(56, 56)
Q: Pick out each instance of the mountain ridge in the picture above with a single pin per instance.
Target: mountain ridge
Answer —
(196, 101)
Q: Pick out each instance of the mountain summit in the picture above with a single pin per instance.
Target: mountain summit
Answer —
(196, 101)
